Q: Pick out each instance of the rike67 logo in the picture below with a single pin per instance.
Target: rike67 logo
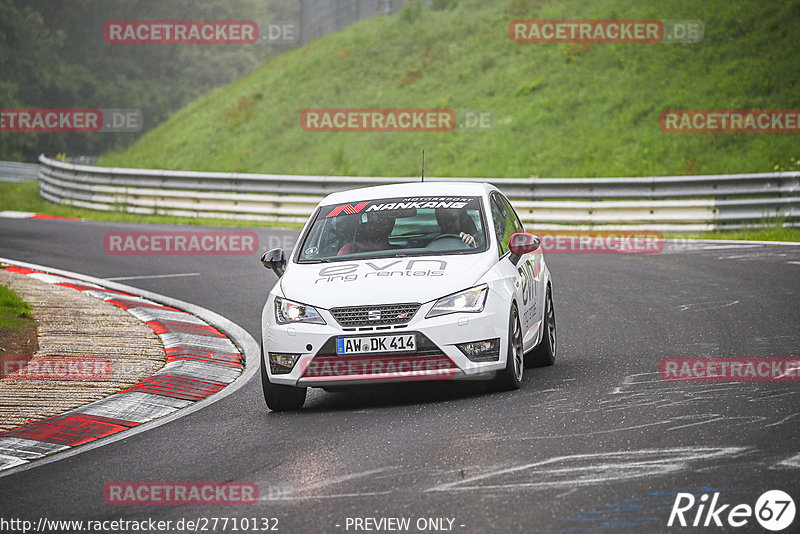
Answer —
(774, 510)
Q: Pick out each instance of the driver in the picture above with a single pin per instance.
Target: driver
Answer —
(373, 235)
(457, 222)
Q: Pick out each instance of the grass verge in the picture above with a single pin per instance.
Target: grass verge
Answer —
(14, 312)
(774, 233)
(560, 110)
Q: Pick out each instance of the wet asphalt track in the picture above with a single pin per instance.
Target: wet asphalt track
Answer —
(597, 442)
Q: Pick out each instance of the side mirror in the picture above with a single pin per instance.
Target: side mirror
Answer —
(522, 243)
(275, 259)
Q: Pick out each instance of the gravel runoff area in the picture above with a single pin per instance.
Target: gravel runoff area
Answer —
(74, 326)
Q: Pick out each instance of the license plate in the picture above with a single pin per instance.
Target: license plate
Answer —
(376, 344)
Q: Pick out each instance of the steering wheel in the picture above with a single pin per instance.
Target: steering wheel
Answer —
(432, 244)
(446, 236)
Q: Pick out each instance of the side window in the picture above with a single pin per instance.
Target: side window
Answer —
(511, 219)
(499, 219)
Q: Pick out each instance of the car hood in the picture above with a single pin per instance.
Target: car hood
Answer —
(383, 281)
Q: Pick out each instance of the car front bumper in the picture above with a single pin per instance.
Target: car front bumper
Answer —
(437, 357)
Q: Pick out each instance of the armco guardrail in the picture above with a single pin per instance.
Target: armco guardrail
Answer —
(13, 171)
(660, 203)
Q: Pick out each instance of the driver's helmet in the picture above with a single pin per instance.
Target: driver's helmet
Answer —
(378, 226)
(448, 219)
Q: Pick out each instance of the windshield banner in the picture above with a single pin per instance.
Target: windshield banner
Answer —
(394, 206)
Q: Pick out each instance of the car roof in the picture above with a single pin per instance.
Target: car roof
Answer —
(477, 189)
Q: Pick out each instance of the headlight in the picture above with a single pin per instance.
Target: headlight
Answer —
(287, 311)
(468, 301)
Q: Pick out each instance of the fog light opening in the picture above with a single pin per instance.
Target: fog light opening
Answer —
(281, 363)
(487, 350)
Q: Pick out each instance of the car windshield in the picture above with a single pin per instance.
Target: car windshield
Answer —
(395, 227)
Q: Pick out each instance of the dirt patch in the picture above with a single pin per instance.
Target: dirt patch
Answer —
(17, 347)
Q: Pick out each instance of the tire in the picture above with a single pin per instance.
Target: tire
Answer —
(544, 353)
(280, 398)
(510, 378)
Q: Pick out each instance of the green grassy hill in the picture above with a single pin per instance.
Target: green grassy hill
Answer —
(562, 110)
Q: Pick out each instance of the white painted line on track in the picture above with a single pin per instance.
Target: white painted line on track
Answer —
(27, 448)
(591, 469)
(334, 496)
(147, 277)
(787, 418)
(717, 247)
(703, 306)
(10, 462)
(761, 254)
(291, 494)
(793, 462)
(744, 242)
(10, 214)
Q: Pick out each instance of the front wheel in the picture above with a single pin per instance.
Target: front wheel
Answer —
(544, 353)
(511, 377)
(278, 397)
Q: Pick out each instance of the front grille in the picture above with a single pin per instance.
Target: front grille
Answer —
(390, 314)
(428, 362)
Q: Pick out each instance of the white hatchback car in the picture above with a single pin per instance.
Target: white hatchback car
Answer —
(427, 281)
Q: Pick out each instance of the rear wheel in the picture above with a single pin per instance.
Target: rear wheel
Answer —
(278, 397)
(544, 353)
(511, 377)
